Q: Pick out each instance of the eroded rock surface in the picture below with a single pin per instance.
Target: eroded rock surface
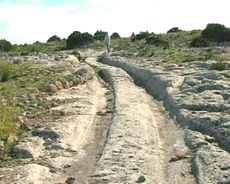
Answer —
(133, 140)
(27, 174)
(31, 147)
(197, 97)
(142, 139)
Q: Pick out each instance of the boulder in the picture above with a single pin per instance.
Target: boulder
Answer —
(26, 174)
(45, 133)
(86, 72)
(58, 84)
(52, 88)
(31, 147)
(65, 85)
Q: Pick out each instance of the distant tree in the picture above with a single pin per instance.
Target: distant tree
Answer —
(37, 42)
(5, 45)
(87, 38)
(216, 32)
(115, 36)
(142, 35)
(174, 30)
(100, 35)
(54, 38)
(78, 39)
(74, 40)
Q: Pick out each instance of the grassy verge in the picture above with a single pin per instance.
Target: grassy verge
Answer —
(23, 94)
(179, 49)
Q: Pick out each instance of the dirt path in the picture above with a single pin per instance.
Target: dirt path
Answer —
(143, 143)
(84, 166)
(88, 122)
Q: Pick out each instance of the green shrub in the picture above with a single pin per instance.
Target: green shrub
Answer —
(157, 41)
(199, 42)
(100, 35)
(50, 46)
(5, 45)
(174, 30)
(54, 38)
(77, 39)
(8, 150)
(115, 36)
(121, 44)
(218, 66)
(216, 32)
(74, 40)
(87, 38)
(5, 71)
(97, 70)
(7, 120)
(142, 35)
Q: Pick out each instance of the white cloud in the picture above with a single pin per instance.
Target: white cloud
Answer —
(28, 23)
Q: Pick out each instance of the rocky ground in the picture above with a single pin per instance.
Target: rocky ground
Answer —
(149, 122)
(143, 141)
(198, 99)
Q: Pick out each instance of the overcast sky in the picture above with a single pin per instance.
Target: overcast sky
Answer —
(27, 21)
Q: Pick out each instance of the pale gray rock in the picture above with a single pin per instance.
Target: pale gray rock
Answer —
(210, 163)
(86, 72)
(27, 174)
(58, 84)
(198, 98)
(32, 147)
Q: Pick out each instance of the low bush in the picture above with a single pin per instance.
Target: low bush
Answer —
(174, 30)
(50, 46)
(142, 35)
(5, 71)
(115, 36)
(5, 45)
(218, 66)
(199, 42)
(54, 38)
(157, 41)
(100, 35)
(7, 120)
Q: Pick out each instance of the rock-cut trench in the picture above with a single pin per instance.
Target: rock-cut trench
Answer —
(143, 142)
(112, 132)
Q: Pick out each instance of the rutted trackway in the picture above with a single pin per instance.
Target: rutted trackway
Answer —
(143, 142)
(85, 146)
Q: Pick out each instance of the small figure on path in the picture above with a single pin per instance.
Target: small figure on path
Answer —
(133, 37)
(107, 42)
